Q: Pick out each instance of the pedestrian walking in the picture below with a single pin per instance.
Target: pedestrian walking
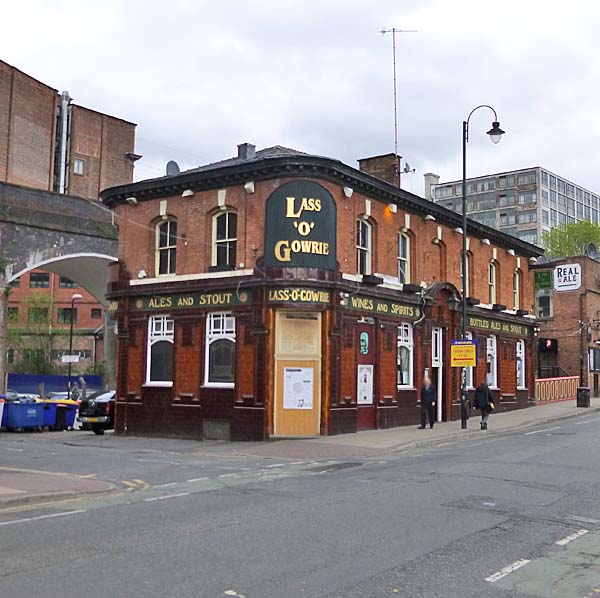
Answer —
(484, 402)
(427, 403)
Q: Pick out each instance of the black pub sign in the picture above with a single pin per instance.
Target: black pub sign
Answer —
(300, 227)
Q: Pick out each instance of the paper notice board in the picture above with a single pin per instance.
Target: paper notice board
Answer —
(298, 388)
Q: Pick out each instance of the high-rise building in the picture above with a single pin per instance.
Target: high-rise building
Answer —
(524, 203)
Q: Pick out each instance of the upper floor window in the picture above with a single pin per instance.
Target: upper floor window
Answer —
(492, 274)
(159, 362)
(363, 246)
(37, 315)
(66, 283)
(78, 166)
(39, 280)
(543, 303)
(516, 289)
(403, 258)
(166, 247)
(224, 239)
(220, 349)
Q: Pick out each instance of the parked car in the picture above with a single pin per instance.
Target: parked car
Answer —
(97, 411)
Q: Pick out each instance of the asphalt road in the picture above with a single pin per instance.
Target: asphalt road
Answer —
(508, 515)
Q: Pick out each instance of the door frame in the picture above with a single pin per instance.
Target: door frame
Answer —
(437, 362)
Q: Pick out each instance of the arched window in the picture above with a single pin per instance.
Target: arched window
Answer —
(224, 235)
(220, 350)
(516, 289)
(403, 258)
(492, 274)
(363, 246)
(161, 335)
(166, 247)
(469, 270)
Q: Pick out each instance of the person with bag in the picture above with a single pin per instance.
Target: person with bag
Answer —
(427, 403)
(484, 402)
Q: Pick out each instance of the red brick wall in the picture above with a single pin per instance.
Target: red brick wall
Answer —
(27, 123)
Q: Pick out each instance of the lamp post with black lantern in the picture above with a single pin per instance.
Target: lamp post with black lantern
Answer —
(72, 319)
(495, 134)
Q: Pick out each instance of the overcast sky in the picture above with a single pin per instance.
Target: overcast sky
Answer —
(200, 77)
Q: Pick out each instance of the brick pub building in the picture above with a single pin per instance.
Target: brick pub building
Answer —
(283, 294)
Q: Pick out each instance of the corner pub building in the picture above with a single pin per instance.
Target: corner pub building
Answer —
(281, 294)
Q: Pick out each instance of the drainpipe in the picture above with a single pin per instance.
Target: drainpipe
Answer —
(65, 100)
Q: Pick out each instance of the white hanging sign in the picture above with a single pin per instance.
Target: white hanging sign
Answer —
(567, 277)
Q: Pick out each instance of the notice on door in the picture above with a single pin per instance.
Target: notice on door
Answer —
(365, 385)
(298, 388)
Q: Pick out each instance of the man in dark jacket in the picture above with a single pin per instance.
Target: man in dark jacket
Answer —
(484, 402)
(427, 403)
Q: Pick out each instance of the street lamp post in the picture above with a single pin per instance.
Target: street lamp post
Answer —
(495, 134)
(73, 299)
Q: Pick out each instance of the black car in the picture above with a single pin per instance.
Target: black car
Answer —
(98, 411)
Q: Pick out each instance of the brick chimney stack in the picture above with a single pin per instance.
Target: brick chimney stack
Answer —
(385, 167)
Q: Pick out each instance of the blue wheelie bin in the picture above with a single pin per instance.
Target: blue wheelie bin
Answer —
(24, 415)
(59, 414)
(49, 415)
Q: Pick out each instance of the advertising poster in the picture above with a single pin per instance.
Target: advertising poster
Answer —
(365, 385)
(298, 388)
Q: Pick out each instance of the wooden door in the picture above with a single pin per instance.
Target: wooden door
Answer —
(297, 404)
(365, 377)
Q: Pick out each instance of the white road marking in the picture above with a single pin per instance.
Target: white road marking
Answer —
(165, 485)
(587, 421)
(275, 465)
(507, 570)
(197, 480)
(569, 539)
(228, 475)
(165, 497)
(298, 463)
(43, 517)
(489, 504)
(14, 450)
(584, 519)
(540, 431)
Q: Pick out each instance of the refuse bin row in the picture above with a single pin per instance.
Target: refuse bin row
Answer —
(27, 414)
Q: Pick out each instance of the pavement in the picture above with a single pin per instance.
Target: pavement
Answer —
(23, 486)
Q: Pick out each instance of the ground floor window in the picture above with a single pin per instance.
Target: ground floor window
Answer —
(220, 349)
(492, 361)
(405, 355)
(161, 337)
(521, 364)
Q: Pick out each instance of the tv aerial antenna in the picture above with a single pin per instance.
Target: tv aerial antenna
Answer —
(393, 31)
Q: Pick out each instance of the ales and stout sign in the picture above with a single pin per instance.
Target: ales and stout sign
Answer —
(300, 227)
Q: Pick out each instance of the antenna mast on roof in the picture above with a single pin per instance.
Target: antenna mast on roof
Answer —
(393, 31)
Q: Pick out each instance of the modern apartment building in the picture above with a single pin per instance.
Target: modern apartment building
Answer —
(524, 203)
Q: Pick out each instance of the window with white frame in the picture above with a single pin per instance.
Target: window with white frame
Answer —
(166, 247)
(161, 336)
(220, 350)
(492, 271)
(516, 289)
(521, 364)
(363, 246)
(224, 239)
(405, 355)
(461, 273)
(403, 258)
(469, 371)
(78, 166)
(492, 362)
